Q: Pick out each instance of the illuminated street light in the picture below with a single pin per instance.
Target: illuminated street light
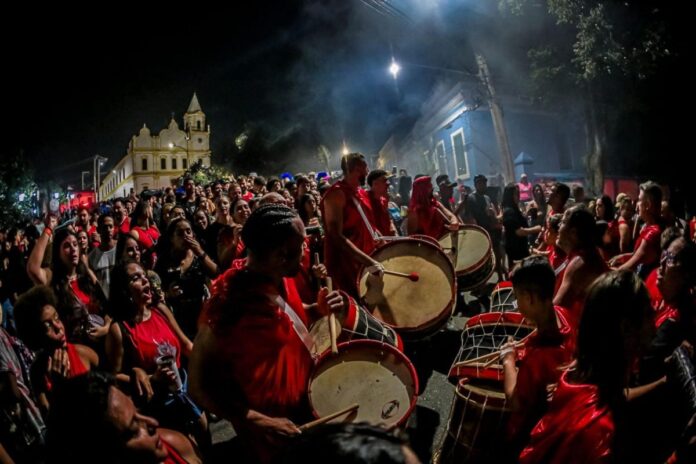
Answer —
(394, 68)
(345, 150)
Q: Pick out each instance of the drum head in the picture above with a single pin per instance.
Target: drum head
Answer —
(321, 335)
(471, 250)
(376, 376)
(404, 304)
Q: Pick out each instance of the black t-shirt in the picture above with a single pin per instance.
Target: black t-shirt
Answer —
(516, 247)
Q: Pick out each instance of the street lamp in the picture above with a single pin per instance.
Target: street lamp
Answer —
(98, 162)
(173, 145)
(394, 68)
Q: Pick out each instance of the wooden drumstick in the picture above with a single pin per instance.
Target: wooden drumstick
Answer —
(332, 321)
(325, 419)
(413, 276)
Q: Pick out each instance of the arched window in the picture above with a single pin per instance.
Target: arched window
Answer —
(144, 165)
(163, 164)
(184, 163)
(198, 125)
(174, 163)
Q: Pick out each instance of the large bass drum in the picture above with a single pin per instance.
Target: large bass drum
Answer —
(471, 250)
(415, 309)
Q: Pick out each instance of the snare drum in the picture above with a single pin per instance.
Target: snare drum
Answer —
(476, 427)
(503, 298)
(414, 309)
(376, 376)
(482, 337)
(471, 250)
(358, 323)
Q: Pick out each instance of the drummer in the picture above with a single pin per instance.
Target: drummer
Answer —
(546, 351)
(378, 181)
(426, 215)
(351, 230)
(251, 361)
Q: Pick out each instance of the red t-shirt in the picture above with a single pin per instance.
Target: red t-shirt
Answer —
(543, 359)
(123, 228)
(341, 268)
(577, 428)
(147, 336)
(381, 213)
(653, 290)
(147, 238)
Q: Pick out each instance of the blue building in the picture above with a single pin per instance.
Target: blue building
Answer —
(455, 136)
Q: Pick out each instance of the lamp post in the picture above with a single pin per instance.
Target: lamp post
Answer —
(83, 179)
(98, 162)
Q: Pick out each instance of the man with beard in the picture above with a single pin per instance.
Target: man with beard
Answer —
(251, 359)
(121, 218)
(351, 232)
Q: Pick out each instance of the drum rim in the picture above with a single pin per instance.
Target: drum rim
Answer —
(444, 314)
(489, 274)
(374, 344)
(482, 261)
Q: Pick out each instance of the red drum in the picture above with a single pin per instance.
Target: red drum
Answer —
(482, 337)
(503, 298)
(414, 309)
(376, 376)
(471, 250)
(476, 427)
(357, 324)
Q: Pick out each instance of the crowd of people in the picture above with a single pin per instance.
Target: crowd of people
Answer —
(127, 327)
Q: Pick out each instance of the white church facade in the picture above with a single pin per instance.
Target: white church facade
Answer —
(154, 161)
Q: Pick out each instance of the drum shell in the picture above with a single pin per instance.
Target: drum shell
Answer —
(357, 324)
(472, 274)
(439, 304)
(362, 350)
(476, 427)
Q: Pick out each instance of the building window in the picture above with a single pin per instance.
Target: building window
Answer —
(198, 125)
(460, 160)
(441, 157)
(184, 163)
(163, 164)
(174, 163)
(144, 165)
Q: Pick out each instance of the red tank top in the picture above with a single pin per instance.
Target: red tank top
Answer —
(345, 271)
(147, 237)
(173, 456)
(77, 367)
(147, 336)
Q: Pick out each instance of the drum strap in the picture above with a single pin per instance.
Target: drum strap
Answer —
(297, 324)
(375, 236)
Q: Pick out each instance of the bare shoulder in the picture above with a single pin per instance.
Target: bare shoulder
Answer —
(181, 444)
(87, 354)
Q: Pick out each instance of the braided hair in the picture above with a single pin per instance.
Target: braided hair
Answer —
(268, 227)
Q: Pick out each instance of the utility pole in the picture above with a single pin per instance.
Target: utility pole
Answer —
(498, 122)
(98, 162)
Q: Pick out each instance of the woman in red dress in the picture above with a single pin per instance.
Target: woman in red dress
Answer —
(145, 231)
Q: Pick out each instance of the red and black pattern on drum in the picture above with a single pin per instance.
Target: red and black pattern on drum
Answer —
(482, 337)
(476, 426)
(503, 298)
(374, 375)
(360, 324)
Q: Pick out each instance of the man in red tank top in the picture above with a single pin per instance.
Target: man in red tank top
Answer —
(377, 180)
(252, 359)
(350, 226)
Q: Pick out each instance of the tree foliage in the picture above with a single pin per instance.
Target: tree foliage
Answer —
(17, 190)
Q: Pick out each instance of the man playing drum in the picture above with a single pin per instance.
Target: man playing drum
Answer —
(351, 233)
(545, 352)
(251, 361)
(426, 215)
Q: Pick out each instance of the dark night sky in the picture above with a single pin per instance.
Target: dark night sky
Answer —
(81, 86)
(81, 82)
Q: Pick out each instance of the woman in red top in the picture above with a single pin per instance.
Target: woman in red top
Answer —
(144, 336)
(107, 428)
(145, 231)
(81, 302)
(426, 215)
(583, 420)
(41, 330)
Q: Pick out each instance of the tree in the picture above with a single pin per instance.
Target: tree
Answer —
(600, 48)
(17, 190)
